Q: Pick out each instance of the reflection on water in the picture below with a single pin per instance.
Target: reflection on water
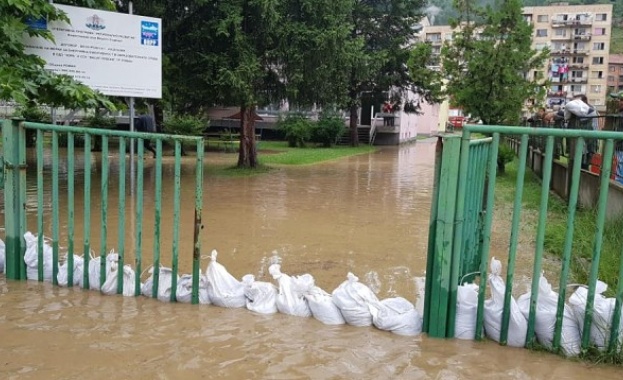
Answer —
(366, 214)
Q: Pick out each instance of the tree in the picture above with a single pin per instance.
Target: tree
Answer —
(23, 78)
(247, 53)
(487, 63)
(386, 32)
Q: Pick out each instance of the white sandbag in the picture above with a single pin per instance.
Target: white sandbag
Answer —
(94, 268)
(2, 256)
(320, 302)
(466, 311)
(261, 295)
(185, 289)
(577, 108)
(494, 307)
(31, 258)
(353, 299)
(63, 274)
(165, 283)
(289, 300)
(397, 315)
(603, 309)
(545, 319)
(129, 280)
(224, 289)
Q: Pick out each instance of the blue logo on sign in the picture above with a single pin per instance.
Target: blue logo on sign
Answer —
(37, 23)
(149, 33)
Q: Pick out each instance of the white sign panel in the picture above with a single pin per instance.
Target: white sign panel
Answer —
(115, 53)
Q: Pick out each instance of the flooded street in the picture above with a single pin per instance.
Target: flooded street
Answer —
(367, 214)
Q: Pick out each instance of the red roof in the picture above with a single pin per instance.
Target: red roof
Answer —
(616, 59)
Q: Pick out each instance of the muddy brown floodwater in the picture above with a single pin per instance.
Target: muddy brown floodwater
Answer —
(367, 214)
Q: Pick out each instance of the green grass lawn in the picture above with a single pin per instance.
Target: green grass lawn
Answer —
(278, 153)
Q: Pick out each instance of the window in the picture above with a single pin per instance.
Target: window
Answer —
(601, 17)
(579, 46)
(578, 59)
(577, 74)
(541, 18)
(436, 50)
(597, 102)
(599, 46)
(433, 37)
(540, 46)
(612, 69)
(541, 32)
(597, 74)
(610, 78)
(596, 88)
(560, 32)
(577, 88)
(580, 31)
(599, 31)
(528, 18)
(598, 60)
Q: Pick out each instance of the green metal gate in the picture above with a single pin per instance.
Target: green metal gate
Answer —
(464, 177)
(456, 225)
(14, 172)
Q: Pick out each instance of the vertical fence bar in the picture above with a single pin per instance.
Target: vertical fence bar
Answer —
(139, 219)
(40, 203)
(11, 216)
(87, 210)
(540, 237)
(70, 209)
(604, 187)
(176, 218)
(486, 239)
(197, 226)
(459, 222)
(104, 214)
(432, 228)
(157, 214)
(512, 250)
(55, 207)
(21, 197)
(566, 255)
(121, 222)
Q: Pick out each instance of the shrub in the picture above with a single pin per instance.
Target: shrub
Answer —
(296, 129)
(98, 121)
(36, 115)
(506, 154)
(328, 128)
(188, 125)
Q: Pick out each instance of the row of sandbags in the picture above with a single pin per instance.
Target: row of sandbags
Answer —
(545, 318)
(351, 302)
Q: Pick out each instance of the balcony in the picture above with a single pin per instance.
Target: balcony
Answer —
(561, 38)
(578, 80)
(434, 41)
(557, 94)
(582, 37)
(578, 66)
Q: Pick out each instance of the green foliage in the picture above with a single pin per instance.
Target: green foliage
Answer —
(327, 129)
(185, 124)
(98, 120)
(486, 62)
(35, 114)
(506, 154)
(23, 78)
(296, 128)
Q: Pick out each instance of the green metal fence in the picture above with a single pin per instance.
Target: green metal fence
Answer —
(15, 168)
(458, 192)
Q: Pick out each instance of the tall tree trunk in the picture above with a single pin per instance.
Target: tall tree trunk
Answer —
(247, 154)
(354, 121)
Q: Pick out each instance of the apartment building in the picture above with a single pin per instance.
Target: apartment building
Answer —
(578, 37)
(615, 73)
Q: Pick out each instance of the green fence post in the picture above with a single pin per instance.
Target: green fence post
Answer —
(438, 313)
(14, 197)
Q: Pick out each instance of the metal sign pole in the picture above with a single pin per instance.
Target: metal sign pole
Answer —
(132, 140)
